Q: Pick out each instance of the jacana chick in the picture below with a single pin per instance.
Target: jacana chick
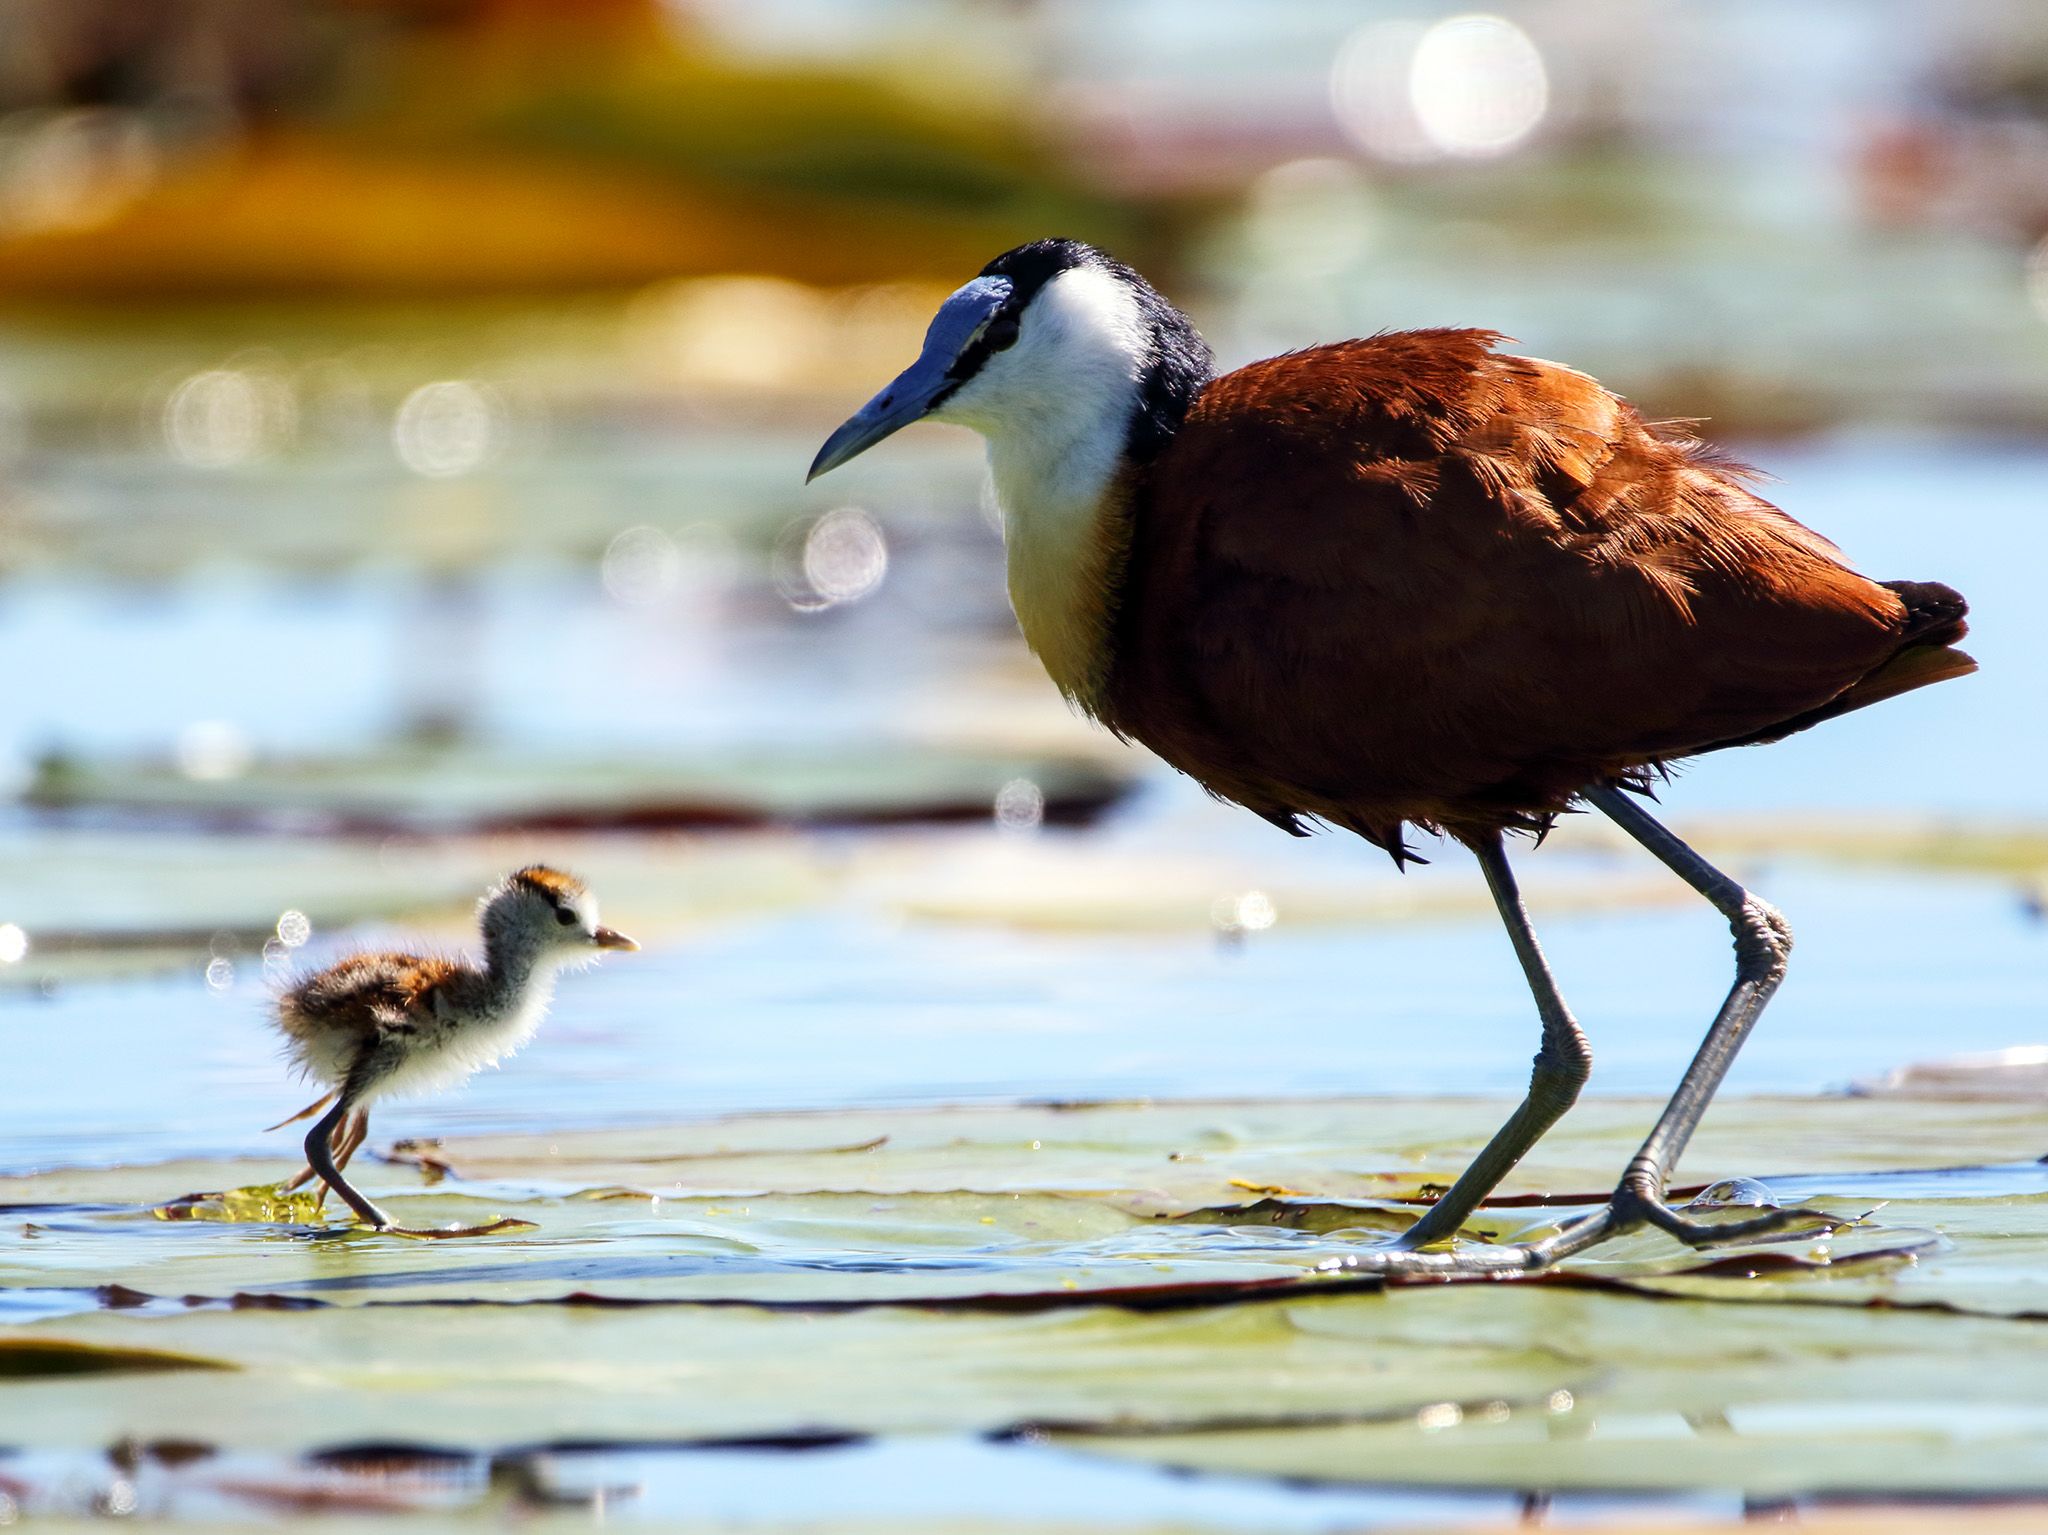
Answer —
(1409, 580)
(381, 1023)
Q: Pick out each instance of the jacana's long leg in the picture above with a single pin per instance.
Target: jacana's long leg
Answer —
(1763, 942)
(320, 1157)
(1561, 1068)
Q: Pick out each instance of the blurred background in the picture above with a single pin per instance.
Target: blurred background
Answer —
(404, 406)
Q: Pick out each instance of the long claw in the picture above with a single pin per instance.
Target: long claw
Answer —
(306, 1113)
(1694, 1232)
(451, 1233)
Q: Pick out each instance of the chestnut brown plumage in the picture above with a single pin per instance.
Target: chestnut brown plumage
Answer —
(1410, 579)
(1405, 581)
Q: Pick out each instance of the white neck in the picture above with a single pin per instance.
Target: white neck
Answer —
(1056, 410)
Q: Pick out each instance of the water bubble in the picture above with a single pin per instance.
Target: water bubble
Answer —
(641, 566)
(1020, 806)
(293, 929)
(1733, 1193)
(447, 429)
(220, 973)
(13, 943)
(210, 751)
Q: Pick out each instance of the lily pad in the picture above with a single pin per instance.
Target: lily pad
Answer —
(1169, 1283)
(452, 788)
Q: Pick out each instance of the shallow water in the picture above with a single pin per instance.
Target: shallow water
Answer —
(1891, 969)
(917, 967)
(842, 998)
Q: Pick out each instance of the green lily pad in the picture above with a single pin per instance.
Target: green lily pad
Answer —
(454, 788)
(1171, 1283)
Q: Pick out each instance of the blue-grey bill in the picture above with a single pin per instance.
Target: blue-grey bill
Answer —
(922, 385)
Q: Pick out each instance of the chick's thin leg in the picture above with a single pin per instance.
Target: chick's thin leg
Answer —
(321, 1143)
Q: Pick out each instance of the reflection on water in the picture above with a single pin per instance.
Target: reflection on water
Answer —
(843, 1007)
(917, 1483)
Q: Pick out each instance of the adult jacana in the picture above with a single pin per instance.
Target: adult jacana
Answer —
(1409, 580)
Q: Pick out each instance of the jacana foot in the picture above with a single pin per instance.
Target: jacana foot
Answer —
(1472, 1261)
(451, 1233)
(1629, 1210)
(1634, 1206)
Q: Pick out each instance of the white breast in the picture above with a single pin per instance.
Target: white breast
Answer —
(455, 1051)
(1056, 410)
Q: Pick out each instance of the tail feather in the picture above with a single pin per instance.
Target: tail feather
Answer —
(1917, 666)
(1935, 620)
(1934, 613)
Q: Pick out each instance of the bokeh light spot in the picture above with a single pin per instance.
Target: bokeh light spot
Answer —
(294, 928)
(1020, 806)
(1467, 86)
(225, 416)
(210, 751)
(448, 428)
(1477, 85)
(13, 943)
(641, 566)
(842, 558)
(1369, 91)
(1310, 218)
(1252, 911)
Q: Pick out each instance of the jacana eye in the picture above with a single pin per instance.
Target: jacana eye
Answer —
(564, 916)
(1001, 334)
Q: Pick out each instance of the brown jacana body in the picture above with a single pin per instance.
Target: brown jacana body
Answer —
(1409, 581)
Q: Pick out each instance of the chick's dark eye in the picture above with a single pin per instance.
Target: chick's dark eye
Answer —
(564, 916)
(1001, 334)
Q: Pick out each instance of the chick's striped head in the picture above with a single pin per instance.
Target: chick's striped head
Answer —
(547, 911)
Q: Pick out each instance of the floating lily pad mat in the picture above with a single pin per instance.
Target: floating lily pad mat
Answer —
(402, 789)
(1172, 1283)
